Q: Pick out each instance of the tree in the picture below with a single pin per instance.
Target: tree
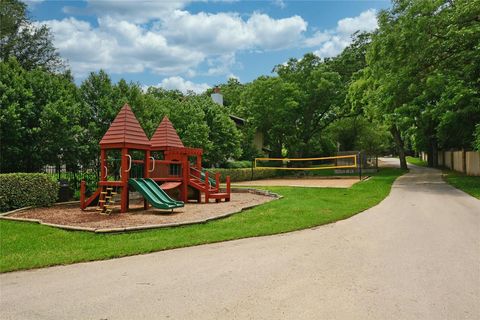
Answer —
(39, 118)
(270, 105)
(319, 103)
(223, 134)
(476, 142)
(422, 74)
(31, 45)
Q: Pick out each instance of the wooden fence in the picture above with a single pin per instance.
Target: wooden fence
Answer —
(467, 162)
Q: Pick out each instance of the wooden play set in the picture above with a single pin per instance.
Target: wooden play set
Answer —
(176, 172)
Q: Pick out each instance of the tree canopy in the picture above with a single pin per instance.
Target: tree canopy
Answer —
(422, 72)
(30, 44)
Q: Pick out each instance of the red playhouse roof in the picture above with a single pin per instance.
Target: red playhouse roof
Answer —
(125, 131)
(166, 136)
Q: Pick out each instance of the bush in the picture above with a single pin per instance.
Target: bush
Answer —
(19, 190)
(244, 174)
(238, 164)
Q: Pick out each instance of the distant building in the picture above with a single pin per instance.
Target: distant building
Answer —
(217, 97)
(258, 140)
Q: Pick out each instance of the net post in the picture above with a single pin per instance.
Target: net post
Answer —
(359, 164)
(253, 165)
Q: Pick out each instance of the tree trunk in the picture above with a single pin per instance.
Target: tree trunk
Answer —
(400, 146)
(432, 153)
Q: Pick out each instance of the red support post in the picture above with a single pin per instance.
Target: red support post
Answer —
(199, 162)
(83, 188)
(186, 177)
(146, 174)
(217, 181)
(207, 188)
(103, 165)
(228, 189)
(124, 168)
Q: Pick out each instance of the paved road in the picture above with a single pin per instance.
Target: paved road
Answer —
(414, 256)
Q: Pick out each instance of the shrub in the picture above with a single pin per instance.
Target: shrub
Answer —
(19, 190)
(244, 174)
(238, 164)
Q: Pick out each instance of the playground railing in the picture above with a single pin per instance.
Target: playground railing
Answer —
(166, 169)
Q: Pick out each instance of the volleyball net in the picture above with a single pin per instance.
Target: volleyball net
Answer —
(322, 163)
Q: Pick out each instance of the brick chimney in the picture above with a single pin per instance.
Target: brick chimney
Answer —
(216, 96)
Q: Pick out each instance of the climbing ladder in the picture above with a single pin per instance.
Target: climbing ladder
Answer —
(106, 200)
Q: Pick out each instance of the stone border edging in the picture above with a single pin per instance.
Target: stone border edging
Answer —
(4, 214)
(266, 193)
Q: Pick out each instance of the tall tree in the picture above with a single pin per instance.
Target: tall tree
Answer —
(270, 104)
(422, 73)
(321, 100)
(39, 118)
(31, 45)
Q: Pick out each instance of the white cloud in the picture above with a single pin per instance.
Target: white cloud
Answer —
(119, 47)
(181, 43)
(220, 65)
(129, 10)
(175, 44)
(333, 46)
(227, 32)
(317, 39)
(275, 33)
(366, 21)
(178, 83)
(332, 42)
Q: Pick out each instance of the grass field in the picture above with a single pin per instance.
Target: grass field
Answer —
(417, 161)
(468, 184)
(27, 245)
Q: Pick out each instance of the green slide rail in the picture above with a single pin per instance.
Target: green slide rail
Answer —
(213, 182)
(160, 193)
(141, 186)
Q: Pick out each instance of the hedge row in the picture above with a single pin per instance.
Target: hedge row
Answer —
(19, 190)
(237, 175)
(238, 164)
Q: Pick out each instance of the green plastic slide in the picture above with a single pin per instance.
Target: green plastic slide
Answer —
(141, 186)
(160, 193)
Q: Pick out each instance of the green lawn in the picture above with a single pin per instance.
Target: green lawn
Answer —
(468, 184)
(417, 161)
(27, 245)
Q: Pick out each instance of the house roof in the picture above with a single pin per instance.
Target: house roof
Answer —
(125, 129)
(166, 136)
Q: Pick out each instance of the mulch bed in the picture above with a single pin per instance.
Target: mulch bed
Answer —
(71, 215)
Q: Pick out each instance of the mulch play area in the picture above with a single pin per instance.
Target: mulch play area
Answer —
(137, 218)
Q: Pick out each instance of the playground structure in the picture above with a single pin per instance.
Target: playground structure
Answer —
(176, 170)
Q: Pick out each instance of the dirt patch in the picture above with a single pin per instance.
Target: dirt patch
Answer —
(71, 215)
(303, 182)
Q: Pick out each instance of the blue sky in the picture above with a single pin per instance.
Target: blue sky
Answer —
(193, 45)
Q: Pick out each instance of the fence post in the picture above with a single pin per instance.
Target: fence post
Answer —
(464, 161)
